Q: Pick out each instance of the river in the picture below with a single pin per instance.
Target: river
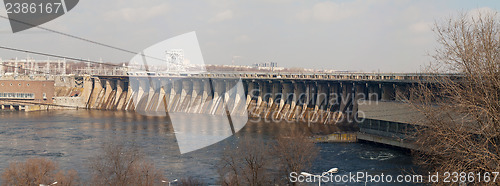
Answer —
(71, 137)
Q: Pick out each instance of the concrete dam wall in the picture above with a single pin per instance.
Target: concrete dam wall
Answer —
(272, 99)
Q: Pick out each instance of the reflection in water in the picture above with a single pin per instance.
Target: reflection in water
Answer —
(71, 137)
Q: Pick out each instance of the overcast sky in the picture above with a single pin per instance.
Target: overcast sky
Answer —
(359, 35)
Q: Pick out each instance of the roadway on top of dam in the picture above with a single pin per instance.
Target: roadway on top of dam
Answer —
(379, 77)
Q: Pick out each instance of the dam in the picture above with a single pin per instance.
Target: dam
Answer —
(295, 97)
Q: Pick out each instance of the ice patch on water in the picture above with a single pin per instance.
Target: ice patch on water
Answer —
(378, 156)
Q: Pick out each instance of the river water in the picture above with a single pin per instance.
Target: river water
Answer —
(71, 137)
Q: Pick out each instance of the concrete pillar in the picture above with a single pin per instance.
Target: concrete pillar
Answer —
(298, 102)
(309, 97)
(402, 93)
(160, 107)
(310, 89)
(274, 100)
(260, 97)
(128, 98)
(133, 90)
(276, 92)
(361, 91)
(175, 94)
(207, 97)
(228, 93)
(250, 93)
(153, 88)
(164, 96)
(218, 103)
(347, 97)
(374, 92)
(143, 87)
(196, 95)
(186, 95)
(232, 99)
(321, 97)
(360, 95)
(239, 104)
(334, 96)
(87, 91)
(96, 91)
(287, 93)
(267, 96)
(114, 98)
(387, 91)
(107, 93)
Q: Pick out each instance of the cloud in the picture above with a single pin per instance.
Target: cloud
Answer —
(330, 11)
(222, 16)
(243, 38)
(137, 14)
(420, 27)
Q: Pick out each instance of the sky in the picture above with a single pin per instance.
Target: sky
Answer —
(354, 35)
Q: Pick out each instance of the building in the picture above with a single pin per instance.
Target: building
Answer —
(21, 94)
(269, 64)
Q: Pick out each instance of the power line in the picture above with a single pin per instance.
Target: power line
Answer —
(79, 38)
(57, 56)
(68, 35)
(51, 55)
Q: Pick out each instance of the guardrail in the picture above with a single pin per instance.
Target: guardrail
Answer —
(315, 76)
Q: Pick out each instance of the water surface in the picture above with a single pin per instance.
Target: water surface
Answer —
(71, 137)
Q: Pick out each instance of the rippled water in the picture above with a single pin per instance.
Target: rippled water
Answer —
(71, 137)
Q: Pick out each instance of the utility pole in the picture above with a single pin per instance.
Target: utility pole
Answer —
(59, 66)
(47, 66)
(1, 67)
(31, 64)
(36, 67)
(64, 67)
(15, 68)
(88, 68)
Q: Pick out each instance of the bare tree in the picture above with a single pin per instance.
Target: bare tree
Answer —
(67, 178)
(461, 128)
(118, 164)
(254, 162)
(295, 153)
(247, 164)
(36, 171)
